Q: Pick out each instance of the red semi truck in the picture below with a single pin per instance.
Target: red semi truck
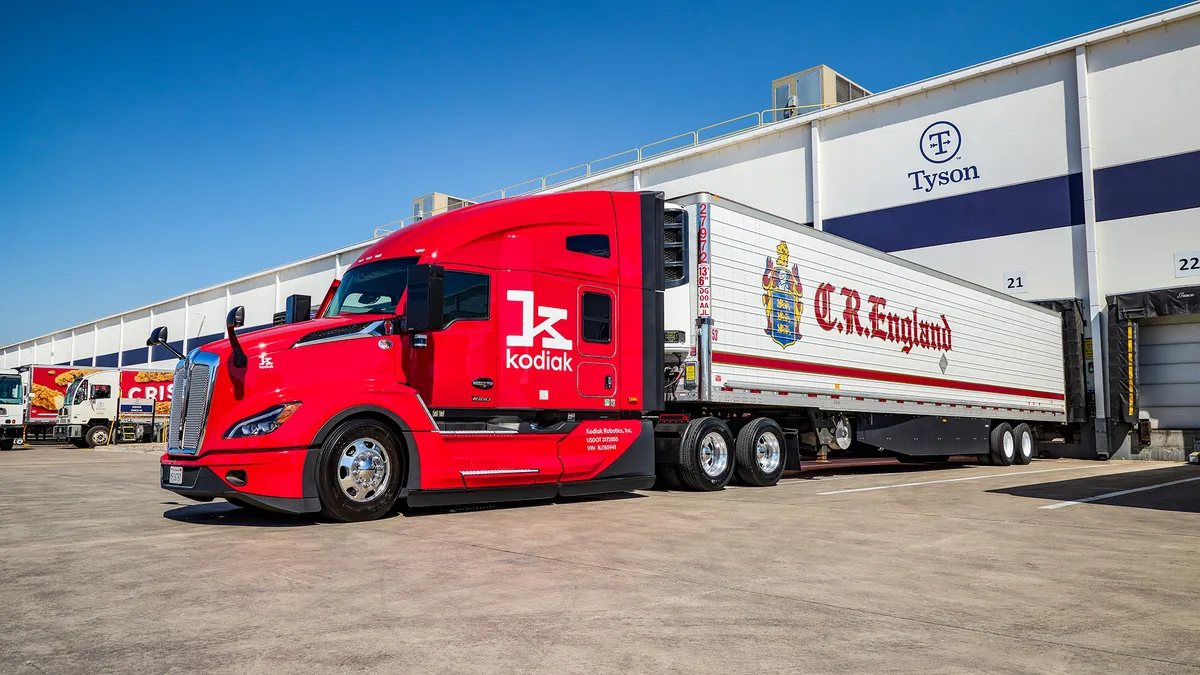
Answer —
(592, 342)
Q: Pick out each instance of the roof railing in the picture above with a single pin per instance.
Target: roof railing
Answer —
(688, 139)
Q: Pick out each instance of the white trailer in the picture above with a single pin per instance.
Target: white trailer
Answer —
(768, 318)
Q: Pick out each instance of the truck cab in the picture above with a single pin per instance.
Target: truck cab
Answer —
(12, 408)
(501, 351)
(94, 414)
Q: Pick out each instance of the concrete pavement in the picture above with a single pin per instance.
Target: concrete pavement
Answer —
(944, 569)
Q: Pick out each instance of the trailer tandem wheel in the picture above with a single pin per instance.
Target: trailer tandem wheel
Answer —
(760, 452)
(706, 454)
(1025, 446)
(1003, 444)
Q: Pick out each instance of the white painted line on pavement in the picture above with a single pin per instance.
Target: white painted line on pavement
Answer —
(956, 480)
(1120, 493)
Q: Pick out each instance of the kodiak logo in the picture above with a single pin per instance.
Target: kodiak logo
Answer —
(551, 342)
(940, 143)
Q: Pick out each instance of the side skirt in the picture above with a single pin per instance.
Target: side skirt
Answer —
(521, 493)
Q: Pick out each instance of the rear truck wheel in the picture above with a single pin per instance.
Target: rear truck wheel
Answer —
(1025, 446)
(358, 471)
(759, 456)
(97, 436)
(6, 444)
(706, 454)
(1003, 444)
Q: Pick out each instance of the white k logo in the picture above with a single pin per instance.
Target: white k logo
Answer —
(552, 315)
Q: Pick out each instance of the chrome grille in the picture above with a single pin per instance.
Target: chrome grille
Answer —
(197, 406)
(179, 396)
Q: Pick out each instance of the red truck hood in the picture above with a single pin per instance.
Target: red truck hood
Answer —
(276, 338)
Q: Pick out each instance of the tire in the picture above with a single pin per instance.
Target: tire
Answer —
(667, 477)
(348, 481)
(6, 444)
(707, 453)
(97, 436)
(761, 453)
(1003, 445)
(1025, 448)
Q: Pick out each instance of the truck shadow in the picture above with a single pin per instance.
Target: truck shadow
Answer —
(1183, 497)
(224, 513)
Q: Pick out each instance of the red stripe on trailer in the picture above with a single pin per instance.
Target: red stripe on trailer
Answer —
(877, 375)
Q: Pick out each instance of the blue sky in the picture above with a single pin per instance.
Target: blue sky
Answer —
(148, 149)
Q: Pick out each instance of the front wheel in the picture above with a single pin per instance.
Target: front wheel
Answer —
(359, 471)
(97, 436)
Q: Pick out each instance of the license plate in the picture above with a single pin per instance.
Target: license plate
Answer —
(175, 477)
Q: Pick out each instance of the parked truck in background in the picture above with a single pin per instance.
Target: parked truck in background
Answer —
(595, 342)
(114, 406)
(12, 408)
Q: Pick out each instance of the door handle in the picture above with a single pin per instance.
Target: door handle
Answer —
(607, 382)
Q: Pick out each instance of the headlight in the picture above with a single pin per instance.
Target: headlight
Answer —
(263, 423)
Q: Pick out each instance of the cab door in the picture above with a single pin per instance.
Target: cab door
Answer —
(458, 365)
(597, 344)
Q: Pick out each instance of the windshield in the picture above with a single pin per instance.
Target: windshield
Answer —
(374, 288)
(10, 389)
(72, 390)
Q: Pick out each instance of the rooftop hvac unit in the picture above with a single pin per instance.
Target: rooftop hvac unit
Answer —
(434, 203)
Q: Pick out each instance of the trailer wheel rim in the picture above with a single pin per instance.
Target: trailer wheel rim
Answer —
(1026, 444)
(767, 452)
(1007, 444)
(362, 470)
(714, 454)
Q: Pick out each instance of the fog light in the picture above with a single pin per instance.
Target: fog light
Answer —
(236, 477)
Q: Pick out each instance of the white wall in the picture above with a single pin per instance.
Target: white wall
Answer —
(769, 173)
(1145, 98)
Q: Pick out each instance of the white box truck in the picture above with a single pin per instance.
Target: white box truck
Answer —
(12, 408)
(114, 406)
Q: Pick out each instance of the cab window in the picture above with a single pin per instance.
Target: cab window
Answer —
(466, 296)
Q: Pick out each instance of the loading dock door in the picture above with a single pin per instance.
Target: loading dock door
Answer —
(1169, 371)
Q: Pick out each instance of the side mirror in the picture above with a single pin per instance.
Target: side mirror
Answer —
(158, 338)
(235, 319)
(426, 290)
(297, 308)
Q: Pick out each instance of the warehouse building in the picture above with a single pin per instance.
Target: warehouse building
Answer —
(1067, 173)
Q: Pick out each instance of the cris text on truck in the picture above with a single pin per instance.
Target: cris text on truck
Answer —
(595, 342)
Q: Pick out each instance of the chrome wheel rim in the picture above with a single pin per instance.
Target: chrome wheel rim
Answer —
(1007, 445)
(100, 437)
(714, 454)
(767, 452)
(1026, 445)
(363, 470)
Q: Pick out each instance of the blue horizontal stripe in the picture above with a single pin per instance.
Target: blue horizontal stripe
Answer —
(134, 357)
(1027, 207)
(107, 360)
(82, 362)
(160, 353)
(1151, 186)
